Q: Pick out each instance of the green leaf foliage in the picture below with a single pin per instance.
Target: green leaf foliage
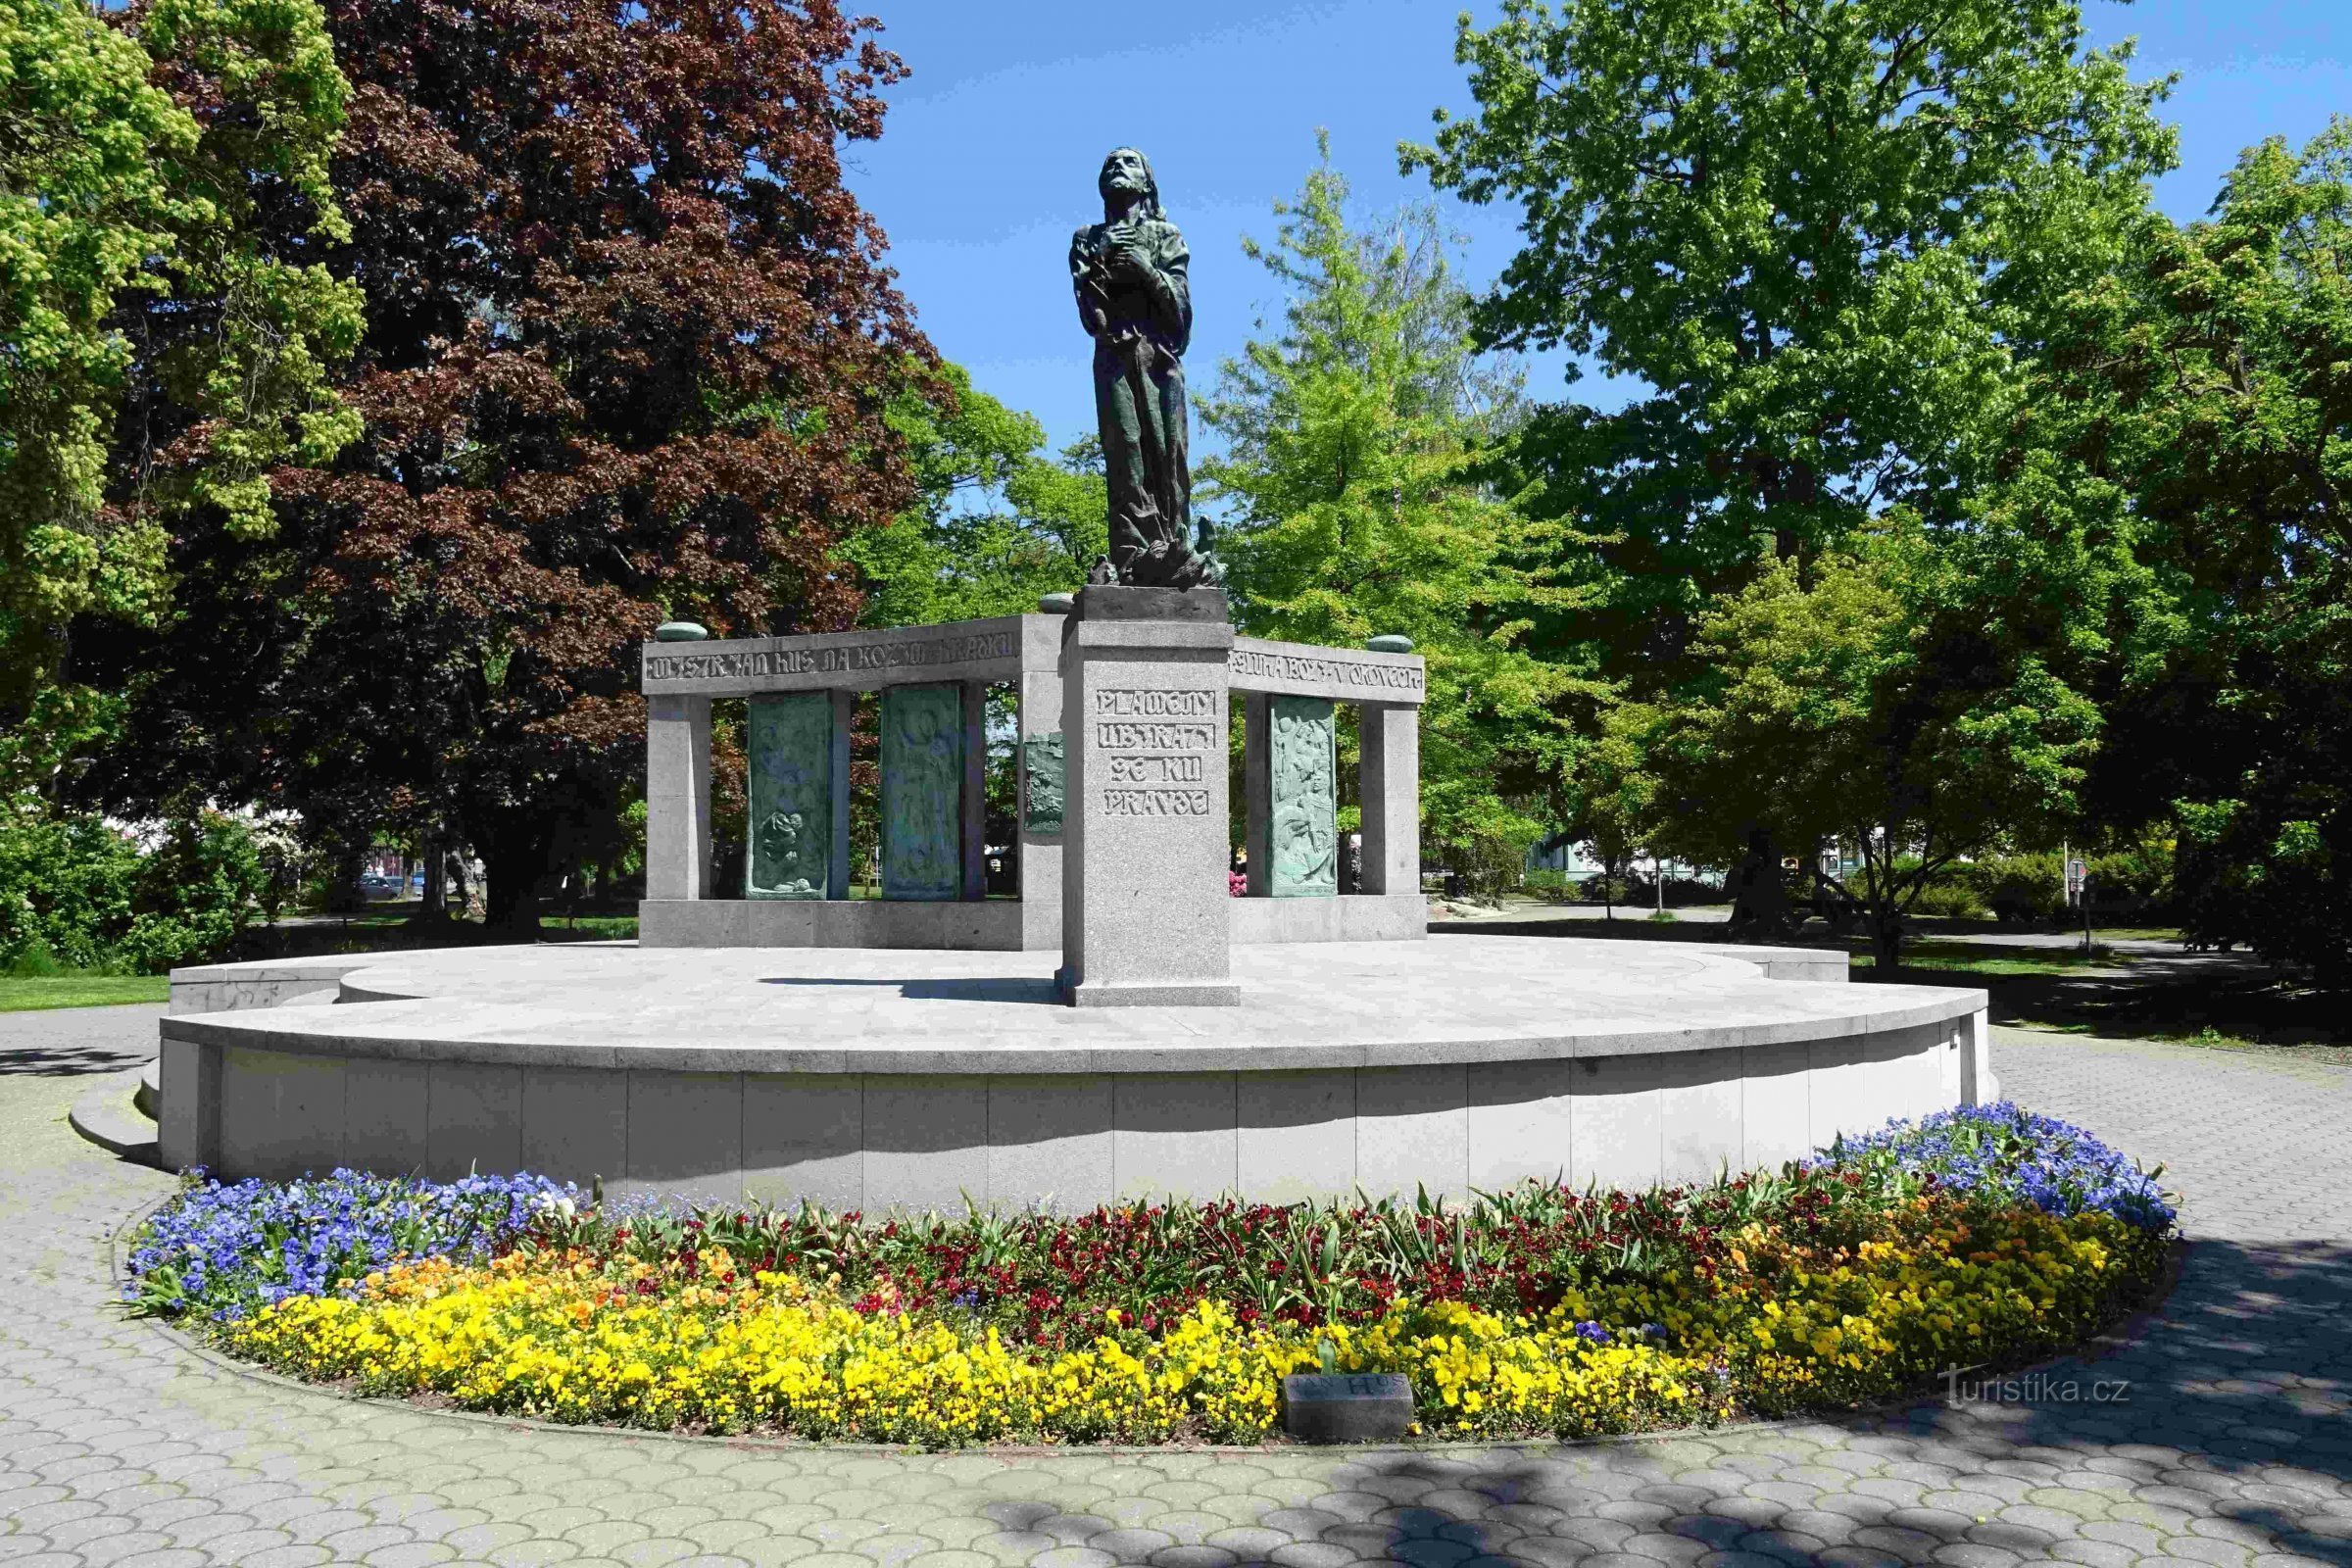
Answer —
(995, 524)
(2203, 392)
(1864, 700)
(162, 341)
(78, 891)
(1356, 429)
(1814, 232)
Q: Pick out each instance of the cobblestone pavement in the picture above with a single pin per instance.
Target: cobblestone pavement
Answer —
(2233, 1448)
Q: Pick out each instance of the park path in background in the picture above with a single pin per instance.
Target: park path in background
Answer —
(2225, 1438)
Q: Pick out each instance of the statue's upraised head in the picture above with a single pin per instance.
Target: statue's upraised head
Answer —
(1127, 171)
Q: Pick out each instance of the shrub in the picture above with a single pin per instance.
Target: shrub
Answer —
(1600, 888)
(82, 891)
(2021, 889)
(1549, 885)
(68, 887)
(1950, 899)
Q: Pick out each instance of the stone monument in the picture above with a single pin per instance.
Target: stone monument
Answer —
(1132, 277)
(1146, 910)
(865, 1052)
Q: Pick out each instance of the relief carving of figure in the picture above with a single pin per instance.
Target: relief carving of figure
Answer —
(1304, 827)
(781, 844)
(1131, 274)
(922, 788)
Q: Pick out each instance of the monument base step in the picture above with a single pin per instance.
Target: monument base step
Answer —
(1149, 994)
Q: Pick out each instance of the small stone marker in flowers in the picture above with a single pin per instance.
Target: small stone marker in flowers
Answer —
(1368, 1407)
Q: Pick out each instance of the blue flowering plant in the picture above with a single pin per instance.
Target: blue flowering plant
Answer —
(2006, 1153)
(223, 1250)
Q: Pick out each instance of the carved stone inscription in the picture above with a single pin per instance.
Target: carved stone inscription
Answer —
(1304, 822)
(791, 747)
(922, 792)
(1371, 677)
(752, 663)
(1044, 777)
(1155, 749)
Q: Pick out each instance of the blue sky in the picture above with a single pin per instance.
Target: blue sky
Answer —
(989, 157)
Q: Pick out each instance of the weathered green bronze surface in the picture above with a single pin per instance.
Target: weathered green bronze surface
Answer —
(1131, 274)
(922, 792)
(791, 747)
(1044, 778)
(1303, 820)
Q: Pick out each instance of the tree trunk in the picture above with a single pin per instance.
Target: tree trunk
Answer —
(513, 859)
(1886, 939)
(436, 881)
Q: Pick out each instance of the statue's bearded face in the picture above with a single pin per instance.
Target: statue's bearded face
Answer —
(1125, 172)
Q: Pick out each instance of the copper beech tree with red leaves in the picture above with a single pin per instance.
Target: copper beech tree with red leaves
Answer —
(629, 345)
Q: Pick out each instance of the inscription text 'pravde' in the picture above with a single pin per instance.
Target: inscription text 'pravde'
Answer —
(1154, 745)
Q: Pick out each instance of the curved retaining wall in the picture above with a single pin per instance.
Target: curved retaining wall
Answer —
(868, 1116)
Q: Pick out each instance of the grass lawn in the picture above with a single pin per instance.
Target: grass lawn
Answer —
(32, 994)
(1957, 958)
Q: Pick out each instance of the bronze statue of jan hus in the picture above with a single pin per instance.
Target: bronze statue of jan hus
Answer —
(1135, 300)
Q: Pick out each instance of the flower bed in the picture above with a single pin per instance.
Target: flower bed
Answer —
(1977, 1236)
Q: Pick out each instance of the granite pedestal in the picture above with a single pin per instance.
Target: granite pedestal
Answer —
(1146, 908)
(865, 1079)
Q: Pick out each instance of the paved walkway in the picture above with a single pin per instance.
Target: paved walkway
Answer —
(2233, 1448)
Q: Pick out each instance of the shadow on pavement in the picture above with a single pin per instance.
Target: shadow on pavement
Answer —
(2227, 1421)
(77, 1041)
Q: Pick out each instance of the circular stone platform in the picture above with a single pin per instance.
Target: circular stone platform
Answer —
(865, 1078)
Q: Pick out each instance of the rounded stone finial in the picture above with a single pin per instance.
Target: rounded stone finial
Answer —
(681, 631)
(1389, 642)
(1056, 603)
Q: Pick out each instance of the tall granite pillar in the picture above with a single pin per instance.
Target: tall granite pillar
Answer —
(1390, 785)
(1041, 793)
(975, 789)
(1146, 914)
(677, 797)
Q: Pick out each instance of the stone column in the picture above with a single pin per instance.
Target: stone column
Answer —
(975, 789)
(677, 797)
(1042, 796)
(1146, 916)
(1389, 782)
(1257, 789)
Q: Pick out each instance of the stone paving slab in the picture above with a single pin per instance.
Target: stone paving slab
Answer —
(2231, 1447)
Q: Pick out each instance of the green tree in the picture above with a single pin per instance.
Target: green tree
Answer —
(159, 175)
(1828, 239)
(1355, 433)
(1816, 227)
(1879, 698)
(2202, 396)
(630, 351)
(995, 523)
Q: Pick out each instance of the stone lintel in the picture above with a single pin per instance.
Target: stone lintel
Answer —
(998, 649)
(1342, 674)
